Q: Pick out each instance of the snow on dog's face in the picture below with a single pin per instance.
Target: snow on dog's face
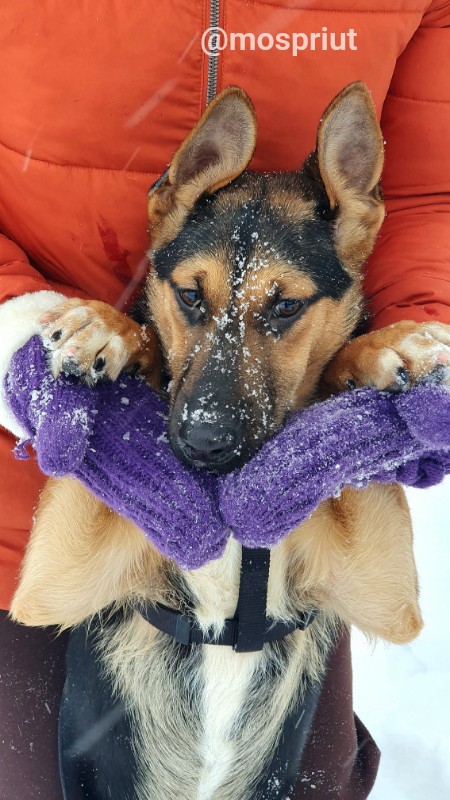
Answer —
(255, 278)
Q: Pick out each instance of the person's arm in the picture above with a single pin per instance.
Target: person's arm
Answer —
(24, 295)
(408, 274)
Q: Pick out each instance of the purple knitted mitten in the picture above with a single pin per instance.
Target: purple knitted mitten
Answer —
(112, 438)
(351, 439)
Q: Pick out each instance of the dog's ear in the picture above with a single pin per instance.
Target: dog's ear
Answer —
(350, 156)
(217, 150)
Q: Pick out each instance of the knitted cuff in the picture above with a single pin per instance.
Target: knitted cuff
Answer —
(426, 411)
(27, 371)
(428, 470)
(58, 414)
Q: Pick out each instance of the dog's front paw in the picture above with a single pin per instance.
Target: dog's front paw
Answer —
(93, 341)
(393, 358)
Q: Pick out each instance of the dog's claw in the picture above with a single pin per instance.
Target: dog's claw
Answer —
(71, 367)
(401, 383)
(403, 378)
(133, 370)
(99, 364)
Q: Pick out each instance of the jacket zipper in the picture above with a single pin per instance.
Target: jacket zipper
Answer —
(213, 57)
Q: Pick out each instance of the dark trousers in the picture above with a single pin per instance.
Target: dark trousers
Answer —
(340, 761)
(32, 674)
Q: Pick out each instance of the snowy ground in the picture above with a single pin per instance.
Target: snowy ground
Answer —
(403, 693)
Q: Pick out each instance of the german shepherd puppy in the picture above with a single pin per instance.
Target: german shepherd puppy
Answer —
(254, 290)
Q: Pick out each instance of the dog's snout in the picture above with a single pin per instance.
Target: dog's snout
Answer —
(213, 446)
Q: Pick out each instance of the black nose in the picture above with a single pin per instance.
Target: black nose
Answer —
(207, 445)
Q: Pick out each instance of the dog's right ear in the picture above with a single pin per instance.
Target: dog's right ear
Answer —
(216, 151)
(350, 156)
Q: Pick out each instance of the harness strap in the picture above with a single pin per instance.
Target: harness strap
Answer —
(185, 629)
(249, 629)
(252, 601)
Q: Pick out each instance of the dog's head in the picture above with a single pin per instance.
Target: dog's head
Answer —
(255, 279)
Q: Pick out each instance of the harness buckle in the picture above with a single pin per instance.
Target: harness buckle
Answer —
(183, 629)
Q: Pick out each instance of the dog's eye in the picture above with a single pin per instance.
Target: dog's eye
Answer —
(190, 297)
(285, 309)
(285, 312)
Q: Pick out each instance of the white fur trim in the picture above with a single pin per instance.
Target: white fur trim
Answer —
(18, 323)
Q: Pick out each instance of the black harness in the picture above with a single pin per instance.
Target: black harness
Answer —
(249, 629)
(96, 756)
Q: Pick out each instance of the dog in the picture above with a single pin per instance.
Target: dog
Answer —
(253, 295)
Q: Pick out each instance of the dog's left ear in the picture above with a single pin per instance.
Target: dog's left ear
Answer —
(350, 156)
(216, 151)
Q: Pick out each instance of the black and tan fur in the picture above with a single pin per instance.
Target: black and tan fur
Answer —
(203, 722)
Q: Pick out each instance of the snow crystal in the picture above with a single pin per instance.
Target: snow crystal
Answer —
(79, 416)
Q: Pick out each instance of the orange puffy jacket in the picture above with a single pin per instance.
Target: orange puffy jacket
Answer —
(95, 98)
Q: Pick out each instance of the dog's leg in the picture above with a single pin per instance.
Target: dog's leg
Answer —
(81, 558)
(355, 554)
